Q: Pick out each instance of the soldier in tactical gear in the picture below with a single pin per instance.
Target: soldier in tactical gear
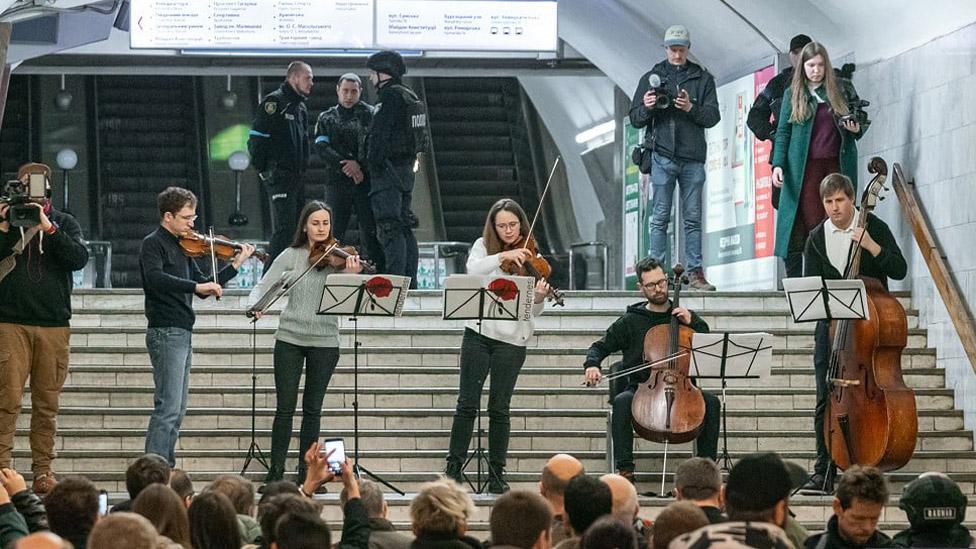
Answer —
(279, 148)
(936, 508)
(391, 157)
(340, 138)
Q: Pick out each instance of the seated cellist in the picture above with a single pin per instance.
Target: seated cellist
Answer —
(627, 334)
(827, 254)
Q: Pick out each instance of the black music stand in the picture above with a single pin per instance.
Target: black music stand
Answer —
(353, 296)
(475, 297)
(815, 298)
(725, 357)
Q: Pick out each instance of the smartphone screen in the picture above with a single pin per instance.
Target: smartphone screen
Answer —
(102, 503)
(337, 457)
(37, 187)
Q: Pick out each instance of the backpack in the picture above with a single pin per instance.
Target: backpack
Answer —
(417, 112)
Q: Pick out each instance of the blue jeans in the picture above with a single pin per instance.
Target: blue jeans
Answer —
(171, 355)
(690, 176)
(390, 198)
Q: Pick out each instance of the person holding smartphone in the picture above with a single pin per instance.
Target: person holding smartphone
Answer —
(304, 340)
(496, 348)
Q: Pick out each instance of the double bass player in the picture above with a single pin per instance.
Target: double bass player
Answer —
(827, 254)
(627, 334)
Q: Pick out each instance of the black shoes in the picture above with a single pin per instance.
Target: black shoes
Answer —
(454, 472)
(818, 484)
(496, 481)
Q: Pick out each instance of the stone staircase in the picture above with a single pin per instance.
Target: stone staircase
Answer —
(408, 389)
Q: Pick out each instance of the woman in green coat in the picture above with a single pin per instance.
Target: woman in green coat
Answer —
(814, 138)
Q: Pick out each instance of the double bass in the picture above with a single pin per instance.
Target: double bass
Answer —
(871, 417)
(668, 407)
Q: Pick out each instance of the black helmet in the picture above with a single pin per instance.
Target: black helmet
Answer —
(387, 61)
(933, 500)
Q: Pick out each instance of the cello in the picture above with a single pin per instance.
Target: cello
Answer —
(668, 407)
(871, 418)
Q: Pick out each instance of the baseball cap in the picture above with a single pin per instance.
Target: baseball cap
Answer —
(677, 35)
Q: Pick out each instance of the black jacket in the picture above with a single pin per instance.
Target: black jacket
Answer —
(37, 292)
(831, 539)
(672, 132)
(169, 279)
(951, 536)
(340, 134)
(279, 134)
(765, 109)
(425, 541)
(32, 509)
(627, 334)
(390, 135)
(890, 263)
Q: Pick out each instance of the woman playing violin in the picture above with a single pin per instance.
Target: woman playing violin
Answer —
(304, 338)
(498, 350)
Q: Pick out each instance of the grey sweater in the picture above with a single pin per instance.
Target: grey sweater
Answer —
(299, 324)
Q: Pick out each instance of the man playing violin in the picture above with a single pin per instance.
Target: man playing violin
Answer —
(627, 334)
(169, 280)
(826, 254)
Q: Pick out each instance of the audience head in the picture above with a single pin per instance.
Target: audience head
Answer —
(277, 488)
(675, 520)
(41, 540)
(238, 490)
(521, 519)
(556, 474)
(213, 522)
(165, 510)
(758, 489)
(861, 495)
(180, 482)
(625, 506)
(609, 533)
(371, 496)
(441, 507)
(587, 499)
(935, 507)
(148, 469)
(301, 531)
(127, 530)
(273, 508)
(72, 507)
(699, 480)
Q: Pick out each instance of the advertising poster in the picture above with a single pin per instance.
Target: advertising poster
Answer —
(738, 222)
(635, 184)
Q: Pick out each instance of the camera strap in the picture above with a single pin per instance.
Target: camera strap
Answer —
(8, 263)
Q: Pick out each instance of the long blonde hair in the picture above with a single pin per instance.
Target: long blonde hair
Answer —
(800, 97)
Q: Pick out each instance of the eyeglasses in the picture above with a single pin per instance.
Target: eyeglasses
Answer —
(188, 217)
(662, 284)
(510, 226)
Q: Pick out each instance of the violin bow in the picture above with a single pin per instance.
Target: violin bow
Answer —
(285, 287)
(213, 259)
(542, 199)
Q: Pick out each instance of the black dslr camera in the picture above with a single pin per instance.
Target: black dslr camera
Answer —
(19, 196)
(856, 113)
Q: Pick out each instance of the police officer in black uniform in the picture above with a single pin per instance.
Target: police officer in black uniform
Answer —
(340, 139)
(936, 508)
(762, 121)
(391, 157)
(279, 148)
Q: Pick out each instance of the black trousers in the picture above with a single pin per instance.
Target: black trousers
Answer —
(623, 431)
(821, 362)
(345, 197)
(390, 196)
(319, 363)
(286, 191)
(481, 356)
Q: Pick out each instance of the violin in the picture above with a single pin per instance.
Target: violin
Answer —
(871, 416)
(668, 407)
(198, 245)
(537, 267)
(335, 256)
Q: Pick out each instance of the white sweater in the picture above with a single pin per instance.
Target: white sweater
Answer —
(515, 333)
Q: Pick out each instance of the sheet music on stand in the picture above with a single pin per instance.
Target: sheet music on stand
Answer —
(731, 357)
(488, 297)
(814, 298)
(364, 295)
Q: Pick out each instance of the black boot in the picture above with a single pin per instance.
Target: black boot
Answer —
(275, 473)
(454, 472)
(496, 480)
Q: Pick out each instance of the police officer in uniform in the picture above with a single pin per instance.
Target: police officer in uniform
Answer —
(279, 148)
(391, 157)
(340, 139)
(936, 508)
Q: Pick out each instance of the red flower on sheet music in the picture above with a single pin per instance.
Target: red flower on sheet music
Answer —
(379, 286)
(505, 289)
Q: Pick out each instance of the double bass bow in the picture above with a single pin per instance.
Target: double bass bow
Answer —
(668, 407)
(871, 417)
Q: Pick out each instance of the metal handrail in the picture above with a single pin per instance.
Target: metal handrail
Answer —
(935, 259)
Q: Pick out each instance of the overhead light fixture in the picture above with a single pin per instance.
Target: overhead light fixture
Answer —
(64, 98)
(67, 160)
(238, 162)
(229, 98)
(598, 131)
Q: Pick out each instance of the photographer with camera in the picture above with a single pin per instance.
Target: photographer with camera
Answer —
(676, 101)
(38, 252)
(818, 124)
